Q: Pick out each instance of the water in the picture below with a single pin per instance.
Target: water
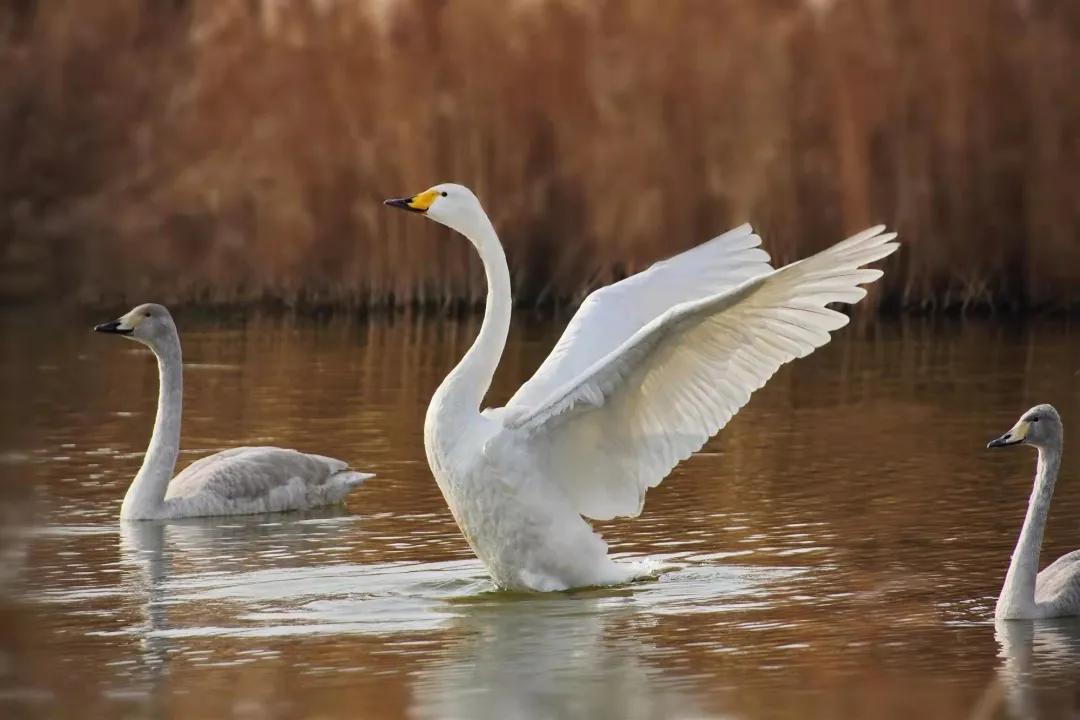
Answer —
(836, 552)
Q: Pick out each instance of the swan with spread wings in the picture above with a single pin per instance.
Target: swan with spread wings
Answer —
(646, 372)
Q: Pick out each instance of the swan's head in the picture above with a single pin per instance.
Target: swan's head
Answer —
(149, 323)
(1040, 427)
(447, 203)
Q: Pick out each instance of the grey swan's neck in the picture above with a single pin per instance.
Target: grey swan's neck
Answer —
(146, 496)
(1018, 593)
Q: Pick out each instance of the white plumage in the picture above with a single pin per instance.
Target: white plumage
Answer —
(236, 481)
(646, 372)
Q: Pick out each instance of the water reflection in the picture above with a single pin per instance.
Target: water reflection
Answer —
(146, 569)
(551, 657)
(589, 654)
(1038, 674)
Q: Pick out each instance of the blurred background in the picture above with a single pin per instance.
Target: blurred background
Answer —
(835, 552)
(236, 151)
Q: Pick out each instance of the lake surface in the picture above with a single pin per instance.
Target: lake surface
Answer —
(835, 553)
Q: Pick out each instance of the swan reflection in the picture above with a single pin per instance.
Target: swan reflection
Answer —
(565, 657)
(1038, 673)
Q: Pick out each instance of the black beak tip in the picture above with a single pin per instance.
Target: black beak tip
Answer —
(112, 327)
(402, 203)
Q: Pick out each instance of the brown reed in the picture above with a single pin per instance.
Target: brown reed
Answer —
(236, 151)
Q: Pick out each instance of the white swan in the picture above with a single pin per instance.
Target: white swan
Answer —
(1055, 592)
(231, 482)
(648, 369)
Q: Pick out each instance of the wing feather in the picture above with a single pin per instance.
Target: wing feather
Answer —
(611, 315)
(621, 425)
(246, 473)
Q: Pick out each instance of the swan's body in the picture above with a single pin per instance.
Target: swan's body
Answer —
(647, 371)
(1027, 593)
(232, 482)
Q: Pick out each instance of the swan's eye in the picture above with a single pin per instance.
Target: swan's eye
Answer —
(146, 314)
(443, 193)
(1035, 419)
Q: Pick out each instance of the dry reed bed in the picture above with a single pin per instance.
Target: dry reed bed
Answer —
(236, 151)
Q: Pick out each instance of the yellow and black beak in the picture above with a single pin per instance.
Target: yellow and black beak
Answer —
(1014, 437)
(417, 203)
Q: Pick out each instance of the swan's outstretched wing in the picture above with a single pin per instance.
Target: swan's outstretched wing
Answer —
(251, 473)
(623, 424)
(611, 315)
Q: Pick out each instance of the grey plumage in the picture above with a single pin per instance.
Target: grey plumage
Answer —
(240, 480)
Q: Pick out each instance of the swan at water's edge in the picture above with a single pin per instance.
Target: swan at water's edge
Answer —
(647, 371)
(235, 481)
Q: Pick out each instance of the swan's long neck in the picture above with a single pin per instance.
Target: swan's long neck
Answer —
(146, 495)
(460, 394)
(1019, 590)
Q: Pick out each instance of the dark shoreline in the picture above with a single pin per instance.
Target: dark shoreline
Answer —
(462, 310)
